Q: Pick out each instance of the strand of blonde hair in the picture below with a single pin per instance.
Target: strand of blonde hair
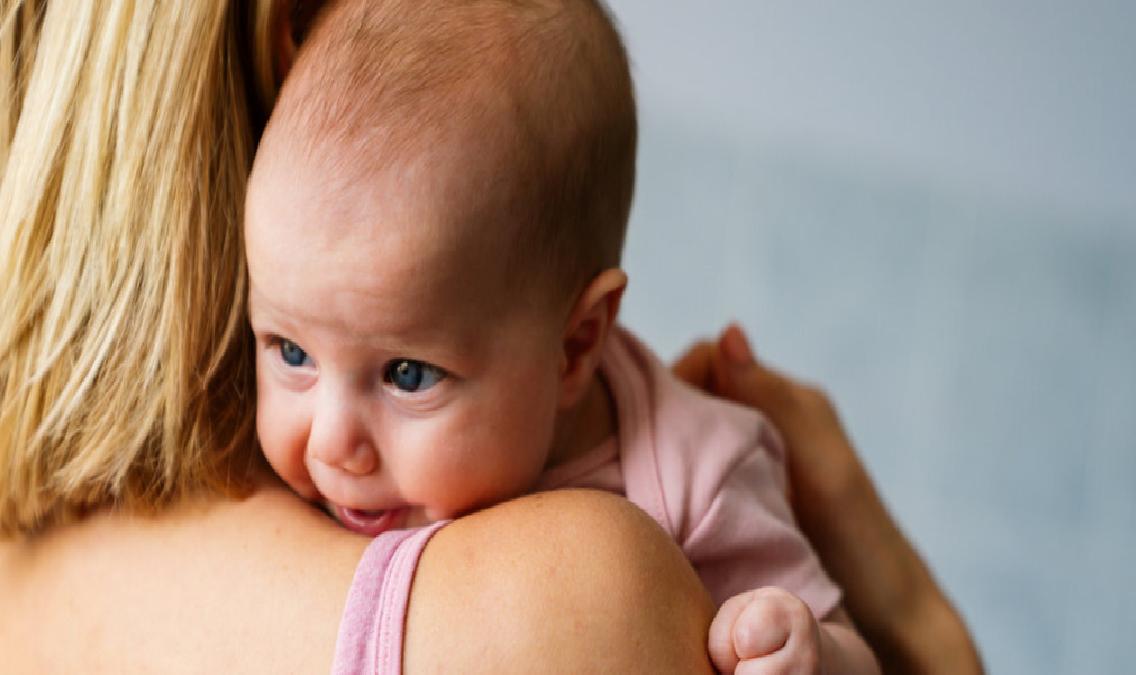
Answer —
(125, 377)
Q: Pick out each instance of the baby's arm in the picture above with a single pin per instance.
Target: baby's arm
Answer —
(770, 630)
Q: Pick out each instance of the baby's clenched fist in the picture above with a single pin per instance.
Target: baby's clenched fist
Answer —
(766, 631)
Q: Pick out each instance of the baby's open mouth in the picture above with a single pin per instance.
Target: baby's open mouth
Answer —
(368, 522)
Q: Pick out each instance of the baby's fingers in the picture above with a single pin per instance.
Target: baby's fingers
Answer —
(721, 643)
(778, 629)
(763, 626)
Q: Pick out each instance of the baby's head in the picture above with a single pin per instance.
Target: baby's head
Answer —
(434, 225)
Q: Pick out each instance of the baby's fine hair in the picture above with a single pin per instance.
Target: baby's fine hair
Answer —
(384, 75)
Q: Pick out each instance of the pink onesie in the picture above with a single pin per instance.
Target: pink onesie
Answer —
(711, 473)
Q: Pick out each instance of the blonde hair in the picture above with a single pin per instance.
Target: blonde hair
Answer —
(125, 372)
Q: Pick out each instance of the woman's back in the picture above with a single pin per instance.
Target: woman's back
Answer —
(254, 585)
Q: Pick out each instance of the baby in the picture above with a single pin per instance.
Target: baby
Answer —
(434, 226)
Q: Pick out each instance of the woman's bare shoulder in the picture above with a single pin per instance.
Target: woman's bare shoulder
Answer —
(564, 581)
(255, 585)
(569, 580)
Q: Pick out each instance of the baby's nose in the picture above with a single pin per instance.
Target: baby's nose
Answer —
(356, 457)
(360, 461)
(338, 437)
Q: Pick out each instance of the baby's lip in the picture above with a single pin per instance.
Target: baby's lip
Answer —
(370, 522)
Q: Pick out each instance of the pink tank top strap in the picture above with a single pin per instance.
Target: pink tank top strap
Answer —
(370, 632)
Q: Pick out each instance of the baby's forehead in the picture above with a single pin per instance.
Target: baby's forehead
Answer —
(443, 184)
(441, 204)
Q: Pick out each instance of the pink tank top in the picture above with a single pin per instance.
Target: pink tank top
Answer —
(370, 632)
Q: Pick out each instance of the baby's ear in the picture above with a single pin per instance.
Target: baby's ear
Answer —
(282, 39)
(290, 21)
(589, 324)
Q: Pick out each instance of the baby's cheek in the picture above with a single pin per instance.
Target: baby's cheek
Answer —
(450, 478)
(282, 437)
(444, 480)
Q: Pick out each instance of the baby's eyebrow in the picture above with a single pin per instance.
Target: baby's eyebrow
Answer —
(265, 316)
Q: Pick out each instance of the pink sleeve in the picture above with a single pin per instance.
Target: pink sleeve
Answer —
(712, 473)
(370, 632)
(748, 538)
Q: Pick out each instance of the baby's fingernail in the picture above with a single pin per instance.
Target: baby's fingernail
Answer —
(735, 347)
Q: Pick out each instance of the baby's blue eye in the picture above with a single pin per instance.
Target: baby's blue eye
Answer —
(411, 376)
(291, 353)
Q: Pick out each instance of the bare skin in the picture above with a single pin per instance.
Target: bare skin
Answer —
(258, 586)
(599, 588)
(888, 590)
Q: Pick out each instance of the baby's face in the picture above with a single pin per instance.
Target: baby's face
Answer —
(396, 380)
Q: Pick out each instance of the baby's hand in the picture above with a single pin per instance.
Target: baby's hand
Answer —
(768, 630)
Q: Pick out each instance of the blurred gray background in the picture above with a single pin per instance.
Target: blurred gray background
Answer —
(930, 208)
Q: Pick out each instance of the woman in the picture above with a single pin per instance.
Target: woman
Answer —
(125, 389)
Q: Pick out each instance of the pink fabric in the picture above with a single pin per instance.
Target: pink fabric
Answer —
(370, 631)
(710, 472)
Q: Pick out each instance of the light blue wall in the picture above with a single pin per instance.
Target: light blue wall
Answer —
(931, 209)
